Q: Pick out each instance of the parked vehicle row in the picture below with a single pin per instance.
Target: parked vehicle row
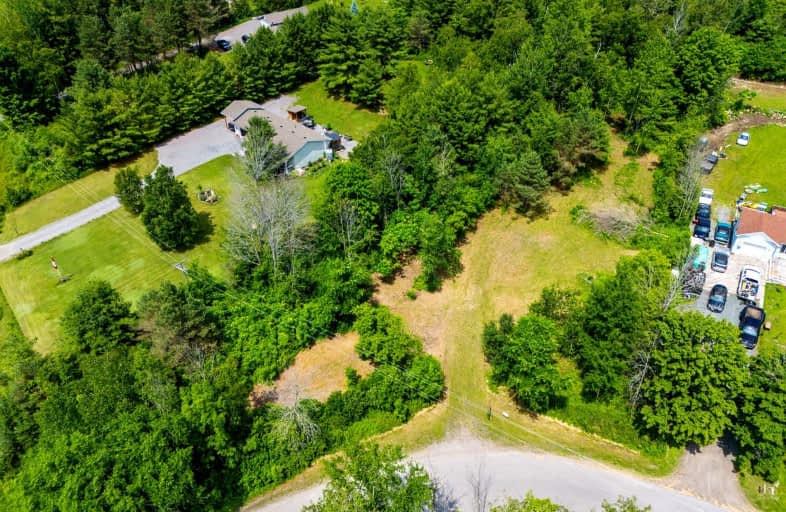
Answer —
(750, 286)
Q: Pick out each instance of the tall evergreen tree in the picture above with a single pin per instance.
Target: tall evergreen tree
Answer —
(168, 215)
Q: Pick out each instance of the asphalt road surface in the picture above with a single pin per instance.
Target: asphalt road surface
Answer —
(577, 484)
(182, 153)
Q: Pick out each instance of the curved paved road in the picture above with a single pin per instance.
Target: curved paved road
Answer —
(578, 485)
(182, 153)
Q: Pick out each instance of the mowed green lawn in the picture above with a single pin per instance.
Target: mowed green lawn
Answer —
(339, 115)
(763, 161)
(768, 97)
(774, 340)
(70, 198)
(115, 248)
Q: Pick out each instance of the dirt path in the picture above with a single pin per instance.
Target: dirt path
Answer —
(507, 262)
(758, 86)
(718, 136)
(709, 474)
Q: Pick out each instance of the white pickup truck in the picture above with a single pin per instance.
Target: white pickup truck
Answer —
(751, 286)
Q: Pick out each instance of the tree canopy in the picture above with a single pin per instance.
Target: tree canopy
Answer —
(168, 215)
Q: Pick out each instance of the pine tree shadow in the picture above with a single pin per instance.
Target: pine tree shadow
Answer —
(207, 227)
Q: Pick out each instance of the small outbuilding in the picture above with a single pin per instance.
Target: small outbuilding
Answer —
(296, 113)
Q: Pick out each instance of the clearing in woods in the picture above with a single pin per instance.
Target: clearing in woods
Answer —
(316, 373)
(507, 261)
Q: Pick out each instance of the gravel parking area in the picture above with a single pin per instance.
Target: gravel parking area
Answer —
(729, 279)
(197, 147)
(234, 34)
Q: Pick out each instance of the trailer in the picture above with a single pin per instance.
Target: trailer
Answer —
(751, 286)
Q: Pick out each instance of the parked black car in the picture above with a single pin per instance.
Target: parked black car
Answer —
(751, 321)
(720, 261)
(702, 228)
(223, 44)
(717, 300)
(704, 211)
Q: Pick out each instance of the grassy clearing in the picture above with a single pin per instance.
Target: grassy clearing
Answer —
(775, 306)
(115, 248)
(766, 97)
(762, 161)
(507, 262)
(759, 493)
(317, 371)
(69, 198)
(339, 115)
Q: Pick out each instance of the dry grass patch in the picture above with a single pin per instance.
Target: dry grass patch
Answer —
(316, 373)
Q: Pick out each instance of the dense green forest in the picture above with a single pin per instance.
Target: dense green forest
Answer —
(85, 84)
(147, 406)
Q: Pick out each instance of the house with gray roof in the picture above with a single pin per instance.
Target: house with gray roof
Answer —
(304, 145)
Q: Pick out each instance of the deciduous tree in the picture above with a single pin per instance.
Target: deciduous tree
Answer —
(263, 157)
(98, 320)
(698, 372)
(760, 428)
(374, 478)
(270, 222)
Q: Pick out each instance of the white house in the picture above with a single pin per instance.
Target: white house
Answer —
(304, 145)
(760, 234)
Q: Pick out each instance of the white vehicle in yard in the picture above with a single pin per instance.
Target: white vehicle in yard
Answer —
(743, 139)
(706, 196)
(751, 286)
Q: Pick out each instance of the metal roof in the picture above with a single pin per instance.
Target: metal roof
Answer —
(289, 133)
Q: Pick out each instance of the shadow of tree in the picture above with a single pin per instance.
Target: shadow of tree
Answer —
(206, 227)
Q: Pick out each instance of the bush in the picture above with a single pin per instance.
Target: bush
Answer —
(764, 60)
(128, 189)
(26, 253)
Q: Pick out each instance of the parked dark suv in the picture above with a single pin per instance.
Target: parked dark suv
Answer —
(751, 321)
(717, 301)
(704, 211)
(702, 221)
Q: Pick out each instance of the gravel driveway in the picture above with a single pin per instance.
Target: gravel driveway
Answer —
(234, 34)
(578, 485)
(182, 153)
(198, 146)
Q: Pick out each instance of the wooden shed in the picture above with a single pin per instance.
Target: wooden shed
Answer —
(296, 112)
